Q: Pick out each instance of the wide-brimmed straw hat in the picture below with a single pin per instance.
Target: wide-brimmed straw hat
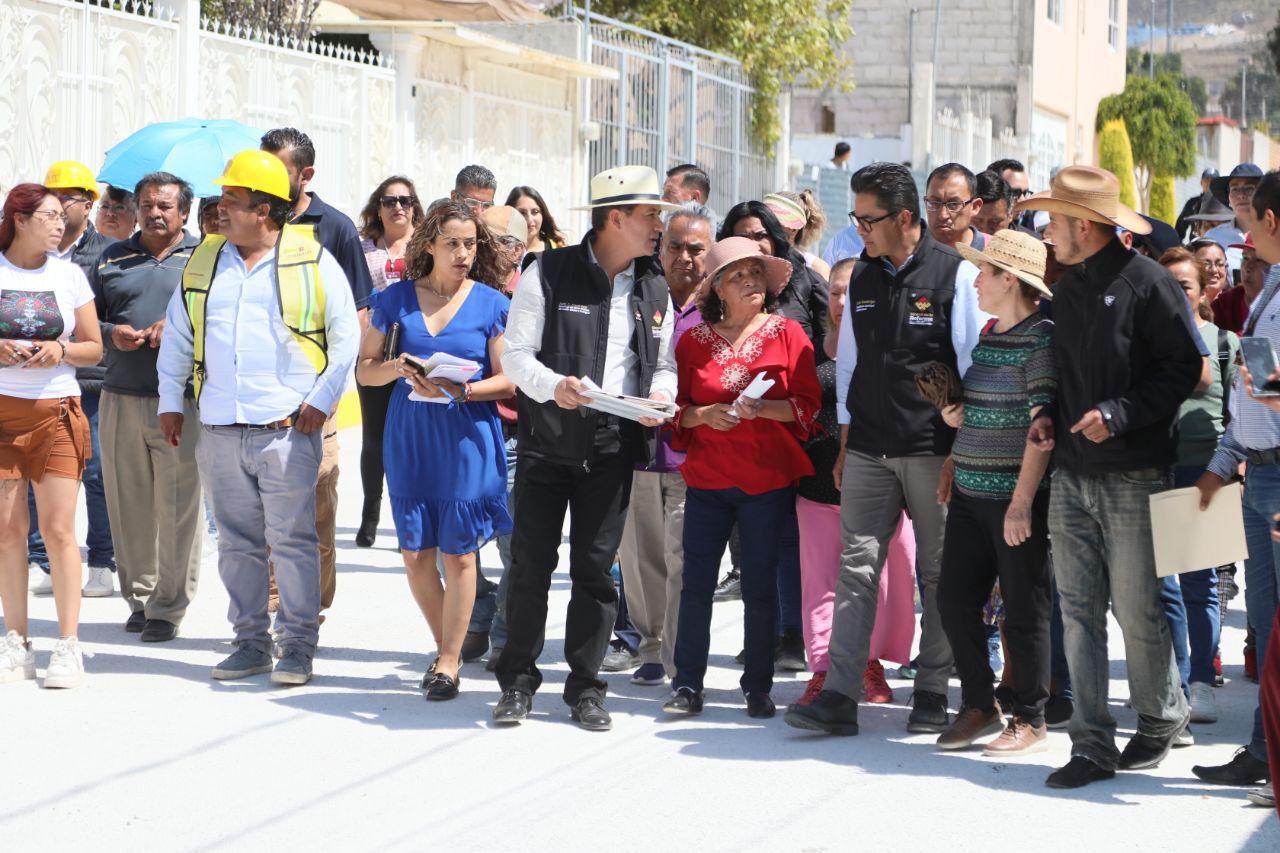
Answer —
(730, 249)
(1014, 252)
(626, 185)
(1087, 193)
(790, 214)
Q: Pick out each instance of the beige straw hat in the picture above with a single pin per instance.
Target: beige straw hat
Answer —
(1087, 193)
(1014, 252)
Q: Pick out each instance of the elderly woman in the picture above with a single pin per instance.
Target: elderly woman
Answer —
(48, 328)
(744, 457)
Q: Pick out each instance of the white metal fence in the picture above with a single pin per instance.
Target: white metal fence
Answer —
(967, 138)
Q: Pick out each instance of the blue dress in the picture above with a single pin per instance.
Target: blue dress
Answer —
(446, 464)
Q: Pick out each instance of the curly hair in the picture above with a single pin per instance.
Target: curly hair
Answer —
(486, 268)
(371, 223)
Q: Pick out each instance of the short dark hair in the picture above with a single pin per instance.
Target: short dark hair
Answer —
(163, 179)
(990, 187)
(893, 186)
(1267, 195)
(842, 148)
(1008, 164)
(947, 170)
(600, 215)
(692, 177)
(475, 176)
(119, 195)
(278, 209)
(782, 247)
(291, 139)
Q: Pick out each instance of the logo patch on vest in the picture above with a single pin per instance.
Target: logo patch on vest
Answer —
(575, 309)
(923, 304)
(1109, 300)
(922, 315)
(864, 305)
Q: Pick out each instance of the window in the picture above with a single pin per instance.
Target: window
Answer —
(1113, 24)
(1055, 11)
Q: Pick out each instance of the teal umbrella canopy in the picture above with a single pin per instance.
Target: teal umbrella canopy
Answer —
(194, 149)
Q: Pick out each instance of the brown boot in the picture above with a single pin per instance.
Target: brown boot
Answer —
(1019, 738)
(971, 725)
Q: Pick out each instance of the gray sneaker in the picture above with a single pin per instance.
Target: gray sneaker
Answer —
(619, 659)
(245, 661)
(293, 668)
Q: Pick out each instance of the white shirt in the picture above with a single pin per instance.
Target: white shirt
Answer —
(256, 371)
(621, 364)
(967, 321)
(71, 250)
(40, 305)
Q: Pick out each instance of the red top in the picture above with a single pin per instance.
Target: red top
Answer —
(757, 455)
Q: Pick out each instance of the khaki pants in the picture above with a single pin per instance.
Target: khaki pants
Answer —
(326, 520)
(153, 501)
(652, 558)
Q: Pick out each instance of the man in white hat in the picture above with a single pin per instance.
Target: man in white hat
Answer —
(598, 311)
(1126, 360)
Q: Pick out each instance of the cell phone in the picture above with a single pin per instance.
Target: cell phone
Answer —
(1260, 358)
(416, 366)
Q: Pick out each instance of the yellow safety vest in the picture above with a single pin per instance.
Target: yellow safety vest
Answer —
(299, 294)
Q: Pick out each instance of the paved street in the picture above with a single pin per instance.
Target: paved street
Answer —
(152, 754)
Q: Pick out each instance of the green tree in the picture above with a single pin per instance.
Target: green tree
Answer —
(287, 17)
(1162, 127)
(778, 42)
(1115, 155)
(1136, 62)
(1163, 203)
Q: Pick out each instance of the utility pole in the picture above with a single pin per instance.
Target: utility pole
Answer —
(1151, 43)
(1244, 90)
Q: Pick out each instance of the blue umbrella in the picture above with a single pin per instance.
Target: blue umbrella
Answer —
(194, 149)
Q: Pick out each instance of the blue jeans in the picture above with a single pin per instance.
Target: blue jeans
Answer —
(101, 550)
(1190, 603)
(709, 516)
(1101, 527)
(1261, 571)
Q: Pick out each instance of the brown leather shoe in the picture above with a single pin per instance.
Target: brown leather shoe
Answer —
(970, 725)
(1018, 738)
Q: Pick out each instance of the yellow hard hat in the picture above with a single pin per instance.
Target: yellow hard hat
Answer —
(71, 175)
(257, 170)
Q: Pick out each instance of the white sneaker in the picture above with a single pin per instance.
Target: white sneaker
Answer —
(17, 659)
(100, 583)
(39, 581)
(66, 667)
(1264, 796)
(1204, 706)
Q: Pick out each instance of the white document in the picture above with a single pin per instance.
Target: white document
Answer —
(631, 408)
(757, 389)
(1186, 539)
(447, 367)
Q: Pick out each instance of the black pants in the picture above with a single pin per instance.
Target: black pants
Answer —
(974, 556)
(597, 501)
(374, 401)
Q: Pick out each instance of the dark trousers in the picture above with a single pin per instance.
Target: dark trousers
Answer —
(709, 516)
(789, 572)
(596, 500)
(974, 556)
(374, 400)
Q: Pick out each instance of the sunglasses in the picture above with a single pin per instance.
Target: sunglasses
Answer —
(391, 201)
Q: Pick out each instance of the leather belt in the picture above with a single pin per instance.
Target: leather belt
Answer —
(284, 423)
(1270, 456)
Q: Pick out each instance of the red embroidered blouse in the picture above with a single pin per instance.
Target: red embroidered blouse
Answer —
(757, 455)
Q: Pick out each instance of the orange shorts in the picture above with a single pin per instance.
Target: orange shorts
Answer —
(39, 437)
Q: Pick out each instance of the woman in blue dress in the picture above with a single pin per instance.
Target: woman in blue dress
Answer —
(445, 459)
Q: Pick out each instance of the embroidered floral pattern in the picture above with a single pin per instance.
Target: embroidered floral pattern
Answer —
(736, 375)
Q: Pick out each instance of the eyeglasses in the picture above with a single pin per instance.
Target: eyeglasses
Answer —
(51, 215)
(475, 203)
(1216, 265)
(1242, 191)
(114, 209)
(67, 199)
(755, 235)
(866, 223)
(508, 241)
(953, 206)
(392, 201)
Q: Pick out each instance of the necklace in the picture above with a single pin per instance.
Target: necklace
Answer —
(430, 289)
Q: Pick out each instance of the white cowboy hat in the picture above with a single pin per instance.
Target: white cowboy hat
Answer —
(626, 185)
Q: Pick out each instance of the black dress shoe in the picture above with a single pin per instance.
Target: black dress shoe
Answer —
(928, 713)
(1242, 769)
(443, 687)
(136, 622)
(1077, 773)
(430, 674)
(590, 714)
(683, 701)
(474, 645)
(1144, 751)
(513, 707)
(832, 713)
(158, 631)
(368, 532)
(760, 705)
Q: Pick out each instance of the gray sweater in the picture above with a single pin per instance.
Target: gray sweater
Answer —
(132, 288)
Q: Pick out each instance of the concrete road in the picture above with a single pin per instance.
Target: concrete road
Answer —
(152, 754)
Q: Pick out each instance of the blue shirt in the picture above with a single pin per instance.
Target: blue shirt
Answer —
(846, 244)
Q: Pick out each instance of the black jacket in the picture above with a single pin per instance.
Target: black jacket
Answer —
(575, 334)
(86, 256)
(805, 300)
(1124, 345)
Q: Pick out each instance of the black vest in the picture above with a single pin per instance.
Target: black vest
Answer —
(575, 334)
(900, 322)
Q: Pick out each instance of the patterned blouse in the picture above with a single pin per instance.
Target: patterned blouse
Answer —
(757, 455)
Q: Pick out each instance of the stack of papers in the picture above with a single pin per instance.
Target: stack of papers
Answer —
(447, 367)
(754, 391)
(631, 408)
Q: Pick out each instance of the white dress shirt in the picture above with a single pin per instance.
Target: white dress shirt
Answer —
(967, 321)
(621, 364)
(255, 370)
